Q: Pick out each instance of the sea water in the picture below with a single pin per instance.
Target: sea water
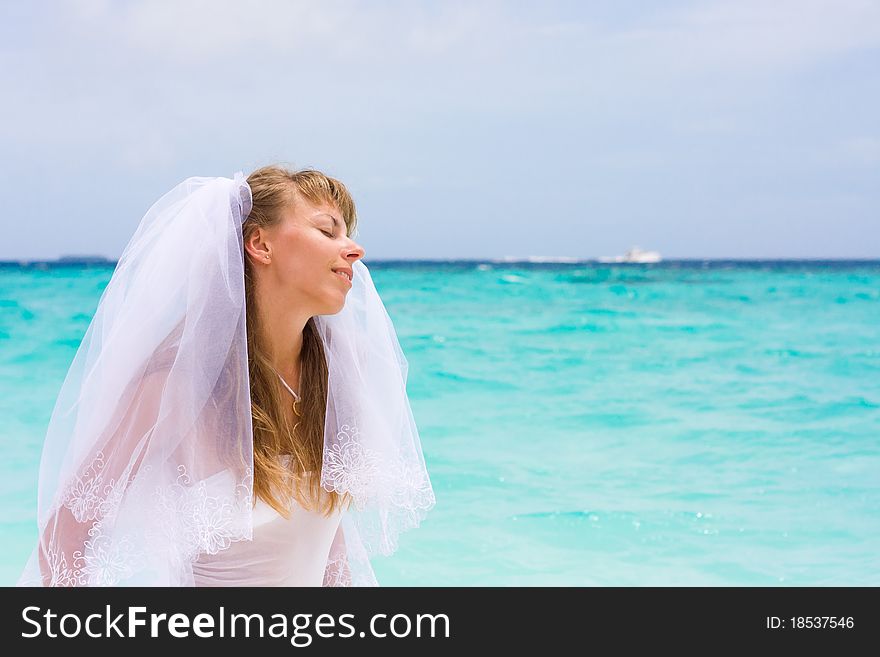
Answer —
(682, 423)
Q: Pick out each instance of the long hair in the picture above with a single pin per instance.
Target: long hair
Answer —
(273, 188)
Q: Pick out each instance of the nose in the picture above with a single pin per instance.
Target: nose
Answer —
(355, 252)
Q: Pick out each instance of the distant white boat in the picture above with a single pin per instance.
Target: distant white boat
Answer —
(635, 254)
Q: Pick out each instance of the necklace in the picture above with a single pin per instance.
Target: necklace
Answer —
(296, 397)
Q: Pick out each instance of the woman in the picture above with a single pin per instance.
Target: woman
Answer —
(236, 413)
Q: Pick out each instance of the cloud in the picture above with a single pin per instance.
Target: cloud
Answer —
(755, 36)
(206, 29)
(864, 150)
(458, 56)
(622, 108)
(741, 37)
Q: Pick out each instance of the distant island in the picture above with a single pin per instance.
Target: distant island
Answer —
(82, 259)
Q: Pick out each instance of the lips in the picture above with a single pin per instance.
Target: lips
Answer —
(342, 272)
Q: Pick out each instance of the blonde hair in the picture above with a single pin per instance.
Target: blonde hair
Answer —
(274, 188)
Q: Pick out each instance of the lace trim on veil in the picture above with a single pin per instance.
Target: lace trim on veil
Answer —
(189, 517)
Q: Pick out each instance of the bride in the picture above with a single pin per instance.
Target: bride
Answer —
(236, 414)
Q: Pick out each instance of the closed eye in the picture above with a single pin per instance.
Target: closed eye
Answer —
(328, 234)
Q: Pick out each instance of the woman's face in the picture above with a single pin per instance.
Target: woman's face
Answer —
(304, 248)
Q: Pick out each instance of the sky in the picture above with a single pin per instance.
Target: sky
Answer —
(715, 129)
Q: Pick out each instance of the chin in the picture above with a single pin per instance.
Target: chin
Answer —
(333, 308)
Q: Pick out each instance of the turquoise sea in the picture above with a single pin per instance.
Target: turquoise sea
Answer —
(682, 423)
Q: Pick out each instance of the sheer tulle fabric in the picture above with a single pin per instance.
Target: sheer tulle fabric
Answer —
(371, 443)
(146, 476)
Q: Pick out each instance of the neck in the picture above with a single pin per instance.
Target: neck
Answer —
(282, 327)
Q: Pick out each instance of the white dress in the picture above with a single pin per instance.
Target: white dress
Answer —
(283, 552)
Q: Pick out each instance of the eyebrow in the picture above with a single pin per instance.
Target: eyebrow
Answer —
(327, 214)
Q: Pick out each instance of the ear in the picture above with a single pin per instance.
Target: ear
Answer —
(256, 245)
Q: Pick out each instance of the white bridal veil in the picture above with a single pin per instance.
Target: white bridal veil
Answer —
(148, 457)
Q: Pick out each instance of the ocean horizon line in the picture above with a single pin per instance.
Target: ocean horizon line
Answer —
(600, 260)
